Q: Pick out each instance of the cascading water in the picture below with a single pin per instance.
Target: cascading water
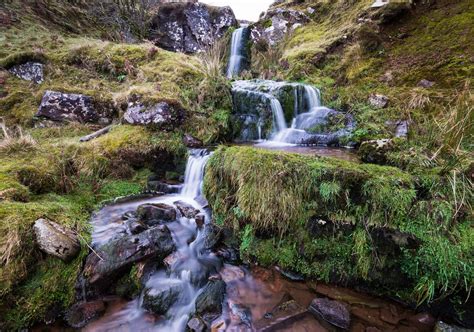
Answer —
(187, 271)
(309, 125)
(194, 172)
(237, 52)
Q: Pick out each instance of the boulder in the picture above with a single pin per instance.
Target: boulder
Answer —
(162, 115)
(375, 151)
(115, 257)
(196, 324)
(213, 235)
(152, 214)
(135, 226)
(159, 298)
(192, 142)
(80, 314)
(190, 27)
(187, 210)
(200, 219)
(29, 71)
(333, 312)
(164, 187)
(209, 301)
(56, 240)
(399, 128)
(58, 106)
(378, 101)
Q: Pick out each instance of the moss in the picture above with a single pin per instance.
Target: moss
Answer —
(279, 195)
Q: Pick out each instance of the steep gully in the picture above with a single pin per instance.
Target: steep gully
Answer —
(256, 299)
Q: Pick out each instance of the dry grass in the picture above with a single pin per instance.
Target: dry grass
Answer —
(15, 140)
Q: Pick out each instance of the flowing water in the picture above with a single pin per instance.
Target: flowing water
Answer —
(237, 52)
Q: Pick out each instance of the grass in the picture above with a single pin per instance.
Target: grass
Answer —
(277, 195)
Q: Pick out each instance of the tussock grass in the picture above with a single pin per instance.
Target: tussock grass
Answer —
(15, 140)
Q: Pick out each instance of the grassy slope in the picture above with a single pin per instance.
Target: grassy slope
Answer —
(64, 180)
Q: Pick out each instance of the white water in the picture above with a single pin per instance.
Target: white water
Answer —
(191, 259)
(279, 122)
(236, 53)
(193, 176)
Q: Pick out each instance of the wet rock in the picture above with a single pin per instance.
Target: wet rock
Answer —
(58, 106)
(172, 259)
(200, 219)
(211, 298)
(162, 115)
(190, 27)
(231, 273)
(242, 313)
(152, 214)
(378, 101)
(129, 215)
(79, 315)
(56, 240)
(293, 276)
(187, 210)
(202, 201)
(213, 235)
(281, 316)
(229, 255)
(192, 142)
(159, 298)
(333, 312)
(163, 187)
(135, 226)
(196, 324)
(115, 257)
(29, 71)
(375, 151)
(443, 327)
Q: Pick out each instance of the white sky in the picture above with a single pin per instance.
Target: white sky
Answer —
(243, 9)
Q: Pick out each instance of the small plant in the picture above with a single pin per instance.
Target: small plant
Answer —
(14, 140)
(247, 239)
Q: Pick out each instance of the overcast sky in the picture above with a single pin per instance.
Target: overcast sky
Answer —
(243, 9)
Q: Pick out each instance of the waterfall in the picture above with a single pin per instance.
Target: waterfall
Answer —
(237, 53)
(279, 122)
(194, 174)
(313, 97)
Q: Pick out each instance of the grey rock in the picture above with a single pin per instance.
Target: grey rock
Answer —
(213, 235)
(152, 214)
(29, 71)
(443, 327)
(56, 240)
(196, 324)
(333, 312)
(209, 301)
(163, 187)
(80, 314)
(375, 151)
(426, 84)
(378, 100)
(160, 116)
(200, 219)
(159, 298)
(190, 27)
(58, 106)
(399, 128)
(115, 257)
(192, 142)
(187, 210)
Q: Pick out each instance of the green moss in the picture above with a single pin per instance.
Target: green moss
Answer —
(278, 195)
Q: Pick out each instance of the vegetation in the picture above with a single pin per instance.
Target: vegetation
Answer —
(286, 193)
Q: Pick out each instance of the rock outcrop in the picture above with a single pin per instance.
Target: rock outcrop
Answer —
(375, 151)
(58, 106)
(190, 27)
(56, 240)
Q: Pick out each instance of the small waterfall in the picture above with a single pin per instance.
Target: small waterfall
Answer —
(313, 96)
(194, 174)
(279, 122)
(237, 53)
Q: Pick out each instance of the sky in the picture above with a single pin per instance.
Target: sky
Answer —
(243, 9)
